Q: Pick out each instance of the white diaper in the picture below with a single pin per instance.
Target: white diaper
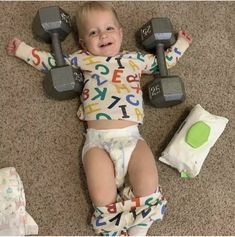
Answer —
(14, 220)
(118, 143)
(192, 142)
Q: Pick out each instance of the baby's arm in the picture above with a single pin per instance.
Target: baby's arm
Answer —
(176, 51)
(40, 60)
(172, 54)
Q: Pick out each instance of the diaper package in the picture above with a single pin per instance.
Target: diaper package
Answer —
(14, 220)
(193, 140)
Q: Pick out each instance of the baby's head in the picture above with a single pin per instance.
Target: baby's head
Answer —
(100, 31)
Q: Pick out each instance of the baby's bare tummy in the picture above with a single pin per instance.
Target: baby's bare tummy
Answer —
(109, 124)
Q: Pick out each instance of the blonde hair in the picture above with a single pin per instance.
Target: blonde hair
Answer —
(85, 9)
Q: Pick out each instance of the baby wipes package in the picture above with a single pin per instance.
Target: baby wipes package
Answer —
(193, 140)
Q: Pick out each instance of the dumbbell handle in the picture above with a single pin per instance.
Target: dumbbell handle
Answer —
(161, 60)
(56, 46)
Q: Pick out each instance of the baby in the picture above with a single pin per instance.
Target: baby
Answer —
(112, 106)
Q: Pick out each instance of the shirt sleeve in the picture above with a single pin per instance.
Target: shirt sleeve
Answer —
(172, 56)
(42, 60)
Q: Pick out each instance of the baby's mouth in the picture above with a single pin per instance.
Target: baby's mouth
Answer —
(105, 45)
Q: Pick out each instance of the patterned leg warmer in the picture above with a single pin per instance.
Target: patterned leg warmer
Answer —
(129, 215)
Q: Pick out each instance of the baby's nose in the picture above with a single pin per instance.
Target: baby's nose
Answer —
(103, 35)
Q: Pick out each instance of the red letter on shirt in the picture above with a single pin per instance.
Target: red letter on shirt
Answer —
(111, 208)
(36, 56)
(116, 74)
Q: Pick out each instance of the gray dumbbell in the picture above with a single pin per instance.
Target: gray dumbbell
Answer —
(157, 35)
(52, 25)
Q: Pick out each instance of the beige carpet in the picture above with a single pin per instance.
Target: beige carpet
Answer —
(43, 138)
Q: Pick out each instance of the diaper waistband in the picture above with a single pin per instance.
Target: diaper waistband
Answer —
(132, 130)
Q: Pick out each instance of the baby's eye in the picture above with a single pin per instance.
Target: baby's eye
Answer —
(93, 33)
(110, 28)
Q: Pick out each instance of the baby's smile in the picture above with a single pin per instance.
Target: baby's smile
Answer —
(106, 44)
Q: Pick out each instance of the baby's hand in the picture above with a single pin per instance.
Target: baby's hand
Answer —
(12, 46)
(183, 34)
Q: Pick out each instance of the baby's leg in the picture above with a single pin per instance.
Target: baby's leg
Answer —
(142, 170)
(143, 177)
(100, 176)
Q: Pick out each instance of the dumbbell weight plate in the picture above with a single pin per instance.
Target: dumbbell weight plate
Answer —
(165, 92)
(61, 84)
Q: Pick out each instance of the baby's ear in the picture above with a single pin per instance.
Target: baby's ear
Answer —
(121, 31)
(82, 43)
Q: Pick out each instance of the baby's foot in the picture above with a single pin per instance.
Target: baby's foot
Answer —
(183, 34)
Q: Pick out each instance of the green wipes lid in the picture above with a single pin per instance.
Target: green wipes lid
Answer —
(197, 134)
(184, 175)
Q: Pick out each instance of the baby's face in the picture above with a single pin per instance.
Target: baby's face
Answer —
(102, 35)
